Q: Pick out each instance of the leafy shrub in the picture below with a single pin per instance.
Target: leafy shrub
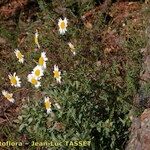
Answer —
(91, 110)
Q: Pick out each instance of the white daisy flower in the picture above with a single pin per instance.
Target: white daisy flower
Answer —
(19, 55)
(62, 25)
(34, 80)
(57, 74)
(36, 39)
(9, 96)
(38, 71)
(14, 80)
(72, 48)
(43, 59)
(48, 105)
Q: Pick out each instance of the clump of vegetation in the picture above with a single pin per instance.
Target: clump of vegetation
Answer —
(86, 93)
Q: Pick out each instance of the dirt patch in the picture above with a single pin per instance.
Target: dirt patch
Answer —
(10, 8)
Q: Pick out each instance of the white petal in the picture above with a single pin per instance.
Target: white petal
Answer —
(12, 100)
(57, 105)
(46, 99)
(4, 92)
(66, 21)
(58, 80)
(38, 84)
(49, 111)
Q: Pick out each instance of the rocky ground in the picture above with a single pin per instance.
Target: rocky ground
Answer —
(140, 129)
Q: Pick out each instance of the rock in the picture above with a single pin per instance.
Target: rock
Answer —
(140, 132)
(147, 63)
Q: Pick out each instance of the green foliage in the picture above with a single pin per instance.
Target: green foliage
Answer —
(95, 99)
(9, 35)
(89, 109)
(33, 121)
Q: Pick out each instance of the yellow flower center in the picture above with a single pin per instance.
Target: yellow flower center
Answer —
(56, 74)
(62, 25)
(13, 80)
(8, 96)
(47, 104)
(37, 72)
(41, 61)
(36, 39)
(19, 55)
(33, 81)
